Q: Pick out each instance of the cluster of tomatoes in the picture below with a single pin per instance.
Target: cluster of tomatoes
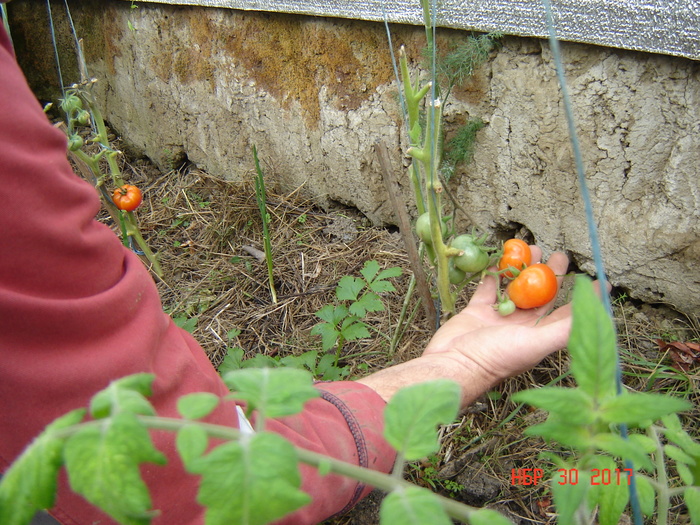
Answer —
(529, 286)
(526, 285)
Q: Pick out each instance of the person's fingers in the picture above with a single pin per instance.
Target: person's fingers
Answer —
(536, 253)
(485, 293)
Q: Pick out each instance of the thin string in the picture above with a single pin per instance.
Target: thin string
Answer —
(55, 48)
(592, 229)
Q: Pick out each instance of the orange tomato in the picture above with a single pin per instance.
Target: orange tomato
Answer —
(127, 197)
(516, 254)
(534, 287)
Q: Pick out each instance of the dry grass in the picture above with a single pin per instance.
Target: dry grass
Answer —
(200, 227)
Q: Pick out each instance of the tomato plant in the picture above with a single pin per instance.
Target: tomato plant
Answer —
(127, 197)
(535, 286)
(516, 254)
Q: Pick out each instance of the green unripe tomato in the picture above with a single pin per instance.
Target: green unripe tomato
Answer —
(461, 241)
(71, 104)
(506, 307)
(423, 228)
(473, 260)
(456, 275)
(75, 142)
(83, 117)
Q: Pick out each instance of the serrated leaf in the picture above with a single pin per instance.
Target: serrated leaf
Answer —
(612, 497)
(677, 454)
(191, 442)
(127, 394)
(254, 481)
(644, 443)
(382, 286)
(571, 405)
(349, 288)
(307, 360)
(355, 330)
(622, 448)
(273, 392)
(197, 405)
(488, 517)
(103, 466)
(646, 495)
(568, 497)
(29, 484)
(370, 270)
(394, 271)
(692, 501)
(562, 432)
(333, 314)
(592, 343)
(370, 302)
(637, 408)
(232, 361)
(414, 412)
(329, 334)
(412, 506)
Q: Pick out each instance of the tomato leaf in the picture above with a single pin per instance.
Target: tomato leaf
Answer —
(488, 517)
(273, 392)
(561, 431)
(646, 495)
(623, 448)
(569, 404)
(413, 413)
(611, 496)
(568, 497)
(412, 506)
(103, 466)
(127, 394)
(692, 501)
(640, 407)
(253, 481)
(29, 484)
(592, 343)
(191, 442)
(197, 405)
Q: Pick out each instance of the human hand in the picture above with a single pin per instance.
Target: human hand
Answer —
(497, 347)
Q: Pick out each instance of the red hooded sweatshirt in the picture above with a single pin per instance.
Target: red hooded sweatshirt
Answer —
(78, 310)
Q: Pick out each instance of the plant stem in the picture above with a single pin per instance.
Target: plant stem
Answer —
(664, 497)
(260, 195)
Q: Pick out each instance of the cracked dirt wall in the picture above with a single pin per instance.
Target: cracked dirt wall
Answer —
(315, 94)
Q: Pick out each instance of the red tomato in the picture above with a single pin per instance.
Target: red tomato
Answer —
(516, 254)
(127, 197)
(534, 287)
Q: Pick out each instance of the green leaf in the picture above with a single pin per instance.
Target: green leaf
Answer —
(274, 392)
(232, 361)
(29, 484)
(307, 361)
(370, 270)
(412, 506)
(568, 497)
(638, 408)
(254, 481)
(197, 405)
(612, 497)
(571, 405)
(488, 517)
(349, 288)
(103, 465)
(191, 441)
(692, 501)
(127, 394)
(677, 454)
(382, 286)
(329, 334)
(394, 271)
(562, 432)
(354, 330)
(622, 448)
(592, 343)
(369, 302)
(413, 413)
(333, 314)
(646, 494)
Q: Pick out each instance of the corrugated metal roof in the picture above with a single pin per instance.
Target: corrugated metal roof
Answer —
(657, 26)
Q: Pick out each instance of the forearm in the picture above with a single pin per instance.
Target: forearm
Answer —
(469, 375)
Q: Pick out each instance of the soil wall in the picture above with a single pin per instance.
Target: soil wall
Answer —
(315, 94)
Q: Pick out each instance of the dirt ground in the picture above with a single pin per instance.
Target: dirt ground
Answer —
(205, 230)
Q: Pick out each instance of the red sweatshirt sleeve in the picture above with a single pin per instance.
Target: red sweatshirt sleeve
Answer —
(78, 310)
